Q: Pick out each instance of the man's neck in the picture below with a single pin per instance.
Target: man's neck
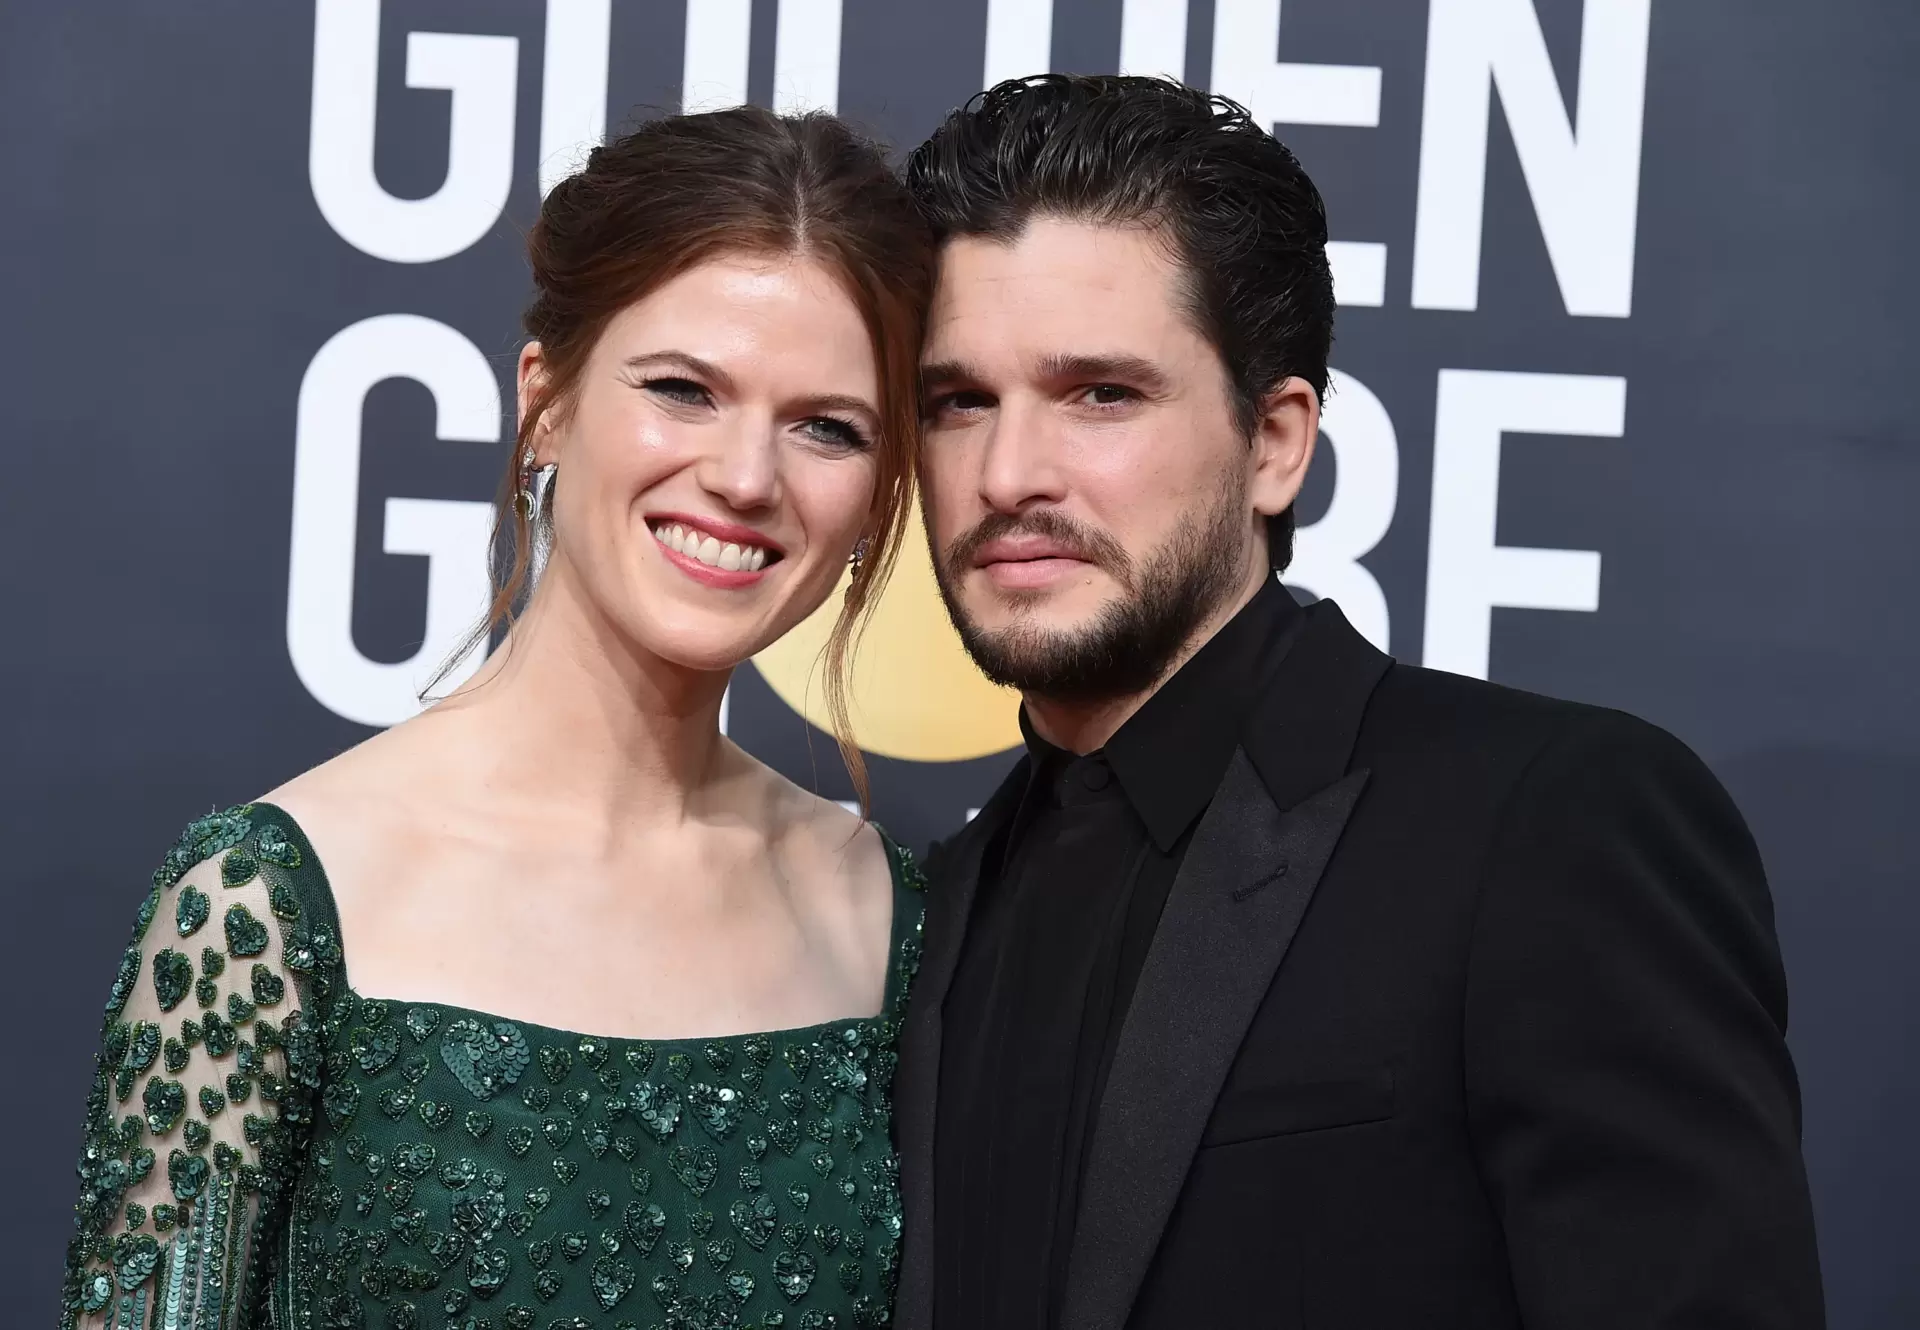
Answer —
(1082, 726)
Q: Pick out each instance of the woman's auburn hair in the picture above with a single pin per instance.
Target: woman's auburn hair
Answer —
(683, 190)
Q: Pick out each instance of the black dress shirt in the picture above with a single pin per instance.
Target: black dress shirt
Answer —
(1068, 902)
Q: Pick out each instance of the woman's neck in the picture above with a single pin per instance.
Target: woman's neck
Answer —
(568, 714)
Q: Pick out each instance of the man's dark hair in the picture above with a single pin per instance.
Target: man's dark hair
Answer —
(1244, 220)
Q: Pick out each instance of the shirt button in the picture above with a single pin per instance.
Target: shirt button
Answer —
(1095, 776)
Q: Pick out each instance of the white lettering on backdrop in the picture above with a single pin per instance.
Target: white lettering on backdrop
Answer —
(452, 535)
(1582, 173)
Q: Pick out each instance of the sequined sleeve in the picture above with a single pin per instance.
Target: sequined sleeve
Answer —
(202, 1095)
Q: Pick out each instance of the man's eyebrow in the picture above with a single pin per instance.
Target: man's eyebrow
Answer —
(658, 360)
(945, 373)
(1136, 370)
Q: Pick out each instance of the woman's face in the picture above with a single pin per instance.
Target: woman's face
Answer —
(717, 463)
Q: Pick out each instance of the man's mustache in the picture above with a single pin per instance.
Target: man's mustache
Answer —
(1075, 538)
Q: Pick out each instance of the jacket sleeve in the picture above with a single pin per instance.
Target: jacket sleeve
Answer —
(1633, 1108)
(202, 1094)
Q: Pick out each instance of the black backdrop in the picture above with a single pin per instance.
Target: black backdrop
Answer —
(1730, 440)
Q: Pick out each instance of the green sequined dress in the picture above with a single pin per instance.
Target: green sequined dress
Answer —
(266, 1147)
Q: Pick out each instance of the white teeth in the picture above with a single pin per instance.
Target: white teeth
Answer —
(730, 557)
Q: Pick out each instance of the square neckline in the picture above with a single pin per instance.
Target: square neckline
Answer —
(898, 964)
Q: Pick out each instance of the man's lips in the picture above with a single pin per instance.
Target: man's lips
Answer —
(1024, 549)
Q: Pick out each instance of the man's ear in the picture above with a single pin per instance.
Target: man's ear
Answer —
(531, 380)
(1283, 440)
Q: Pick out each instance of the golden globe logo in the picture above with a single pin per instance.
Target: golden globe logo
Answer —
(914, 692)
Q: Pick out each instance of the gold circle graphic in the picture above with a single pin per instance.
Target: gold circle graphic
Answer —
(912, 690)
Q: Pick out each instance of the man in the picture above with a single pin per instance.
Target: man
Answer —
(1281, 984)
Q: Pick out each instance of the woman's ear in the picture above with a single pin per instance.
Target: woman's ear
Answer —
(531, 380)
(1283, 440)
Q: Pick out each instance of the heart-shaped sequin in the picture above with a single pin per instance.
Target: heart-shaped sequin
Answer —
(828, 1236)
(716, 1109)
(719, 1252)
(740, 1286)
(539, 1198)
(792, 1100)
(246, 935)
(374, 1050)
(341, 1099)
(407, 1224)
(268, 987)
(422, 1022)
(519, 1141)
(640, 1057)
(558, 1132)
(487, 1272)
(799, 1060)
(187, 1174)
(641, 1179)
(445, 1248)
(800, 1196)
(757, 1147)
(546, 1285)
(519, 1317)
(164, 1101)
(696, 1167)
(519, 1223)
(613, 1279)
(679, 1066)
(435, 1115)
(626, 1147)
(191, 911)
(458, 1174)
(644, 1222)
(594, 1137)
(555, 1063)
(680, 1256)
(574, 1245)
(415, 1069)
(396, 1102)
(479, 1123)
(597, 1203)
(413, 1159)
(658, 1107)
(537, 1097)
(785, 1133)
(399, 1192)
(485, 1061)
(566, 1170)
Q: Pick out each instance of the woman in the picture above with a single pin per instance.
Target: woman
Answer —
(550, 1006)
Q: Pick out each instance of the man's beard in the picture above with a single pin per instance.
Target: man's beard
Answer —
(1134, 640)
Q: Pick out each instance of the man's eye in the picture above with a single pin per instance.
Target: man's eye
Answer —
(964, 400)
(685, 392)
(1108, 394)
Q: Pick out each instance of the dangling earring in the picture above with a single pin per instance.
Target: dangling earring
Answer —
(859, 555)
(523, 498)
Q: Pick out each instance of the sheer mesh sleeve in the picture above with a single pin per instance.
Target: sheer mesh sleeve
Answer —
(202, 1098)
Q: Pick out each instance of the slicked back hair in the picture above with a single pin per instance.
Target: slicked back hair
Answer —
(1242, 218)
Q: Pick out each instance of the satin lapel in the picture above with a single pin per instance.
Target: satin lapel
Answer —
(1234, 907)
(953, 874)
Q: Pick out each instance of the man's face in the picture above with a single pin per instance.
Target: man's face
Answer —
(1089, 497)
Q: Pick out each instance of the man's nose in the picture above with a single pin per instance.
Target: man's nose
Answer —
(1022, 462)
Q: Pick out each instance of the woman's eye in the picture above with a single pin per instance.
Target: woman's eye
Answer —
(685, 392)
(839, 433)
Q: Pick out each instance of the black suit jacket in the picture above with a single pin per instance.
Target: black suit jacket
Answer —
(1465, 1010)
